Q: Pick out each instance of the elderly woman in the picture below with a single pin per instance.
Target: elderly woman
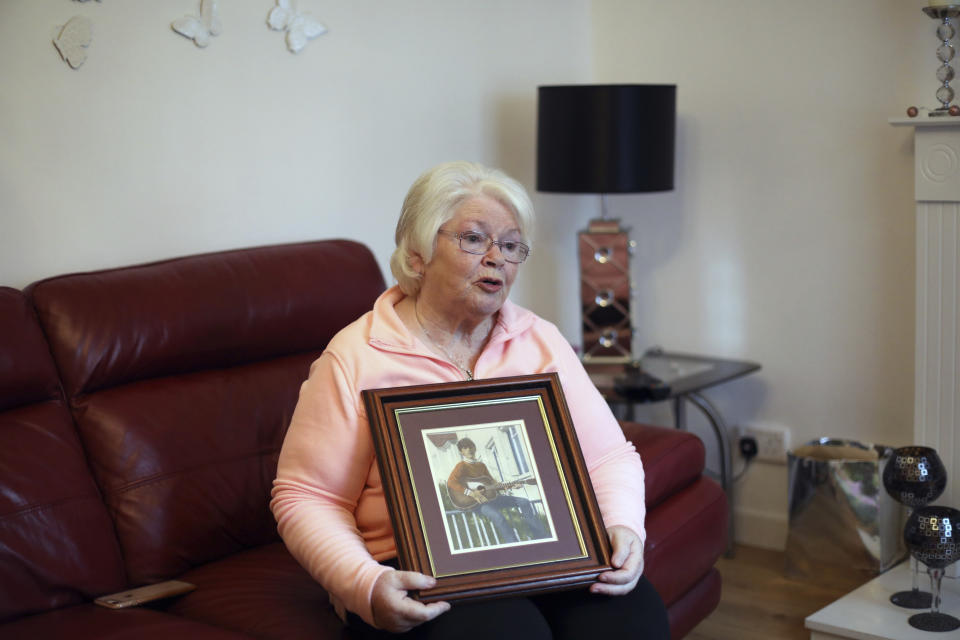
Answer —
(463, 233)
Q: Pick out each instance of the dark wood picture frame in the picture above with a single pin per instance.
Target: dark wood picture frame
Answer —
(411, 426)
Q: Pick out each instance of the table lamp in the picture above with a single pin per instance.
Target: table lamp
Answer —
(611, 138)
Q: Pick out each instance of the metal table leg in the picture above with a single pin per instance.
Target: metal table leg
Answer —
(679, 413)
(723, 441)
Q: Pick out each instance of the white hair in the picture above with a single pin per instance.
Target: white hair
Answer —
(434, 198)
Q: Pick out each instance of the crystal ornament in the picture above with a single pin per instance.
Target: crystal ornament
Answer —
(945, 31)
(945, 54)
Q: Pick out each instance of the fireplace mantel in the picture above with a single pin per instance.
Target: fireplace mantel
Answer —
(936, 157)
(937, 357)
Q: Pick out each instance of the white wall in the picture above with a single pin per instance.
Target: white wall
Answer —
(155, 148)
(788, 240)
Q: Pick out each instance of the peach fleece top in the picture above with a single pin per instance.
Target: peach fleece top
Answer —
(327, 497)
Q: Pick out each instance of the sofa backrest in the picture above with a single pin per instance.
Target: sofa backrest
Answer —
(182, 376)
(57, 544)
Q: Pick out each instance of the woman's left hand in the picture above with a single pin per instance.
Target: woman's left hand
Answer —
(627, 559)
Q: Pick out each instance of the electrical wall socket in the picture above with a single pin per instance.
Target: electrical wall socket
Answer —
(773, 440)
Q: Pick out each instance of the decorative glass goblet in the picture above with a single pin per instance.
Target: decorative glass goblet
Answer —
(931, 535)
(914, 476)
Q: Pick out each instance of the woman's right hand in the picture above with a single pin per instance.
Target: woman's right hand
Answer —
(394, 610)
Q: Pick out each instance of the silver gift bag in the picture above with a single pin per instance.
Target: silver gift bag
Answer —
(840, 515)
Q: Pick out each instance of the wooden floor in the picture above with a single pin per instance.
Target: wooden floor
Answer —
(759, 602)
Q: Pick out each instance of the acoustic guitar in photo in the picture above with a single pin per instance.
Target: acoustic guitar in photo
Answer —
(485, 486)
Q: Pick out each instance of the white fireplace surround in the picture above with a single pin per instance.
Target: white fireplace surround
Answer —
(937, 359)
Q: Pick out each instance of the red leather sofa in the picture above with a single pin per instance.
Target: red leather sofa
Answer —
(142, 410)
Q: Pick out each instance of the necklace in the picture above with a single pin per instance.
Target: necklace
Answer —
(465, 371)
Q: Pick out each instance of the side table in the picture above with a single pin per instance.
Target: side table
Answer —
(687, 376)
(866, 613)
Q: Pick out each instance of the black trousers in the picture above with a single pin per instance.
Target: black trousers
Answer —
(563, 615)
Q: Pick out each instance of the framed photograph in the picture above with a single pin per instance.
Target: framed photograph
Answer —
(486, 487)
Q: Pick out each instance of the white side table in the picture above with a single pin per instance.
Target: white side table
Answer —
(866, 613)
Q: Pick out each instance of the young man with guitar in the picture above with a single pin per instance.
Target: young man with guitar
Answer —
(472, 486)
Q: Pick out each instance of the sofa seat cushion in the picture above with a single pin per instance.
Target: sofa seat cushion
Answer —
(92, 622)
(263, 592)
(686, 534)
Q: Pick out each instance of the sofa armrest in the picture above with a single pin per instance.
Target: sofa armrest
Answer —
(672, 459)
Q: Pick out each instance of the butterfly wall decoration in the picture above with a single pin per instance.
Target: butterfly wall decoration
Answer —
(300, 27)
(200, 28)
(73, 39)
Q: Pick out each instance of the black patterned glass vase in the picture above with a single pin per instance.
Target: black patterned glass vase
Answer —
(931, 535)
(914, 476)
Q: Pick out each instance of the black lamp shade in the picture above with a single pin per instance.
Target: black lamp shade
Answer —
(606, 138)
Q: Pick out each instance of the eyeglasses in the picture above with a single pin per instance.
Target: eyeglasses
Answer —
(478, 243)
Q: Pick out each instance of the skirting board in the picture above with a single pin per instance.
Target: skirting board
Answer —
(762, 529)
